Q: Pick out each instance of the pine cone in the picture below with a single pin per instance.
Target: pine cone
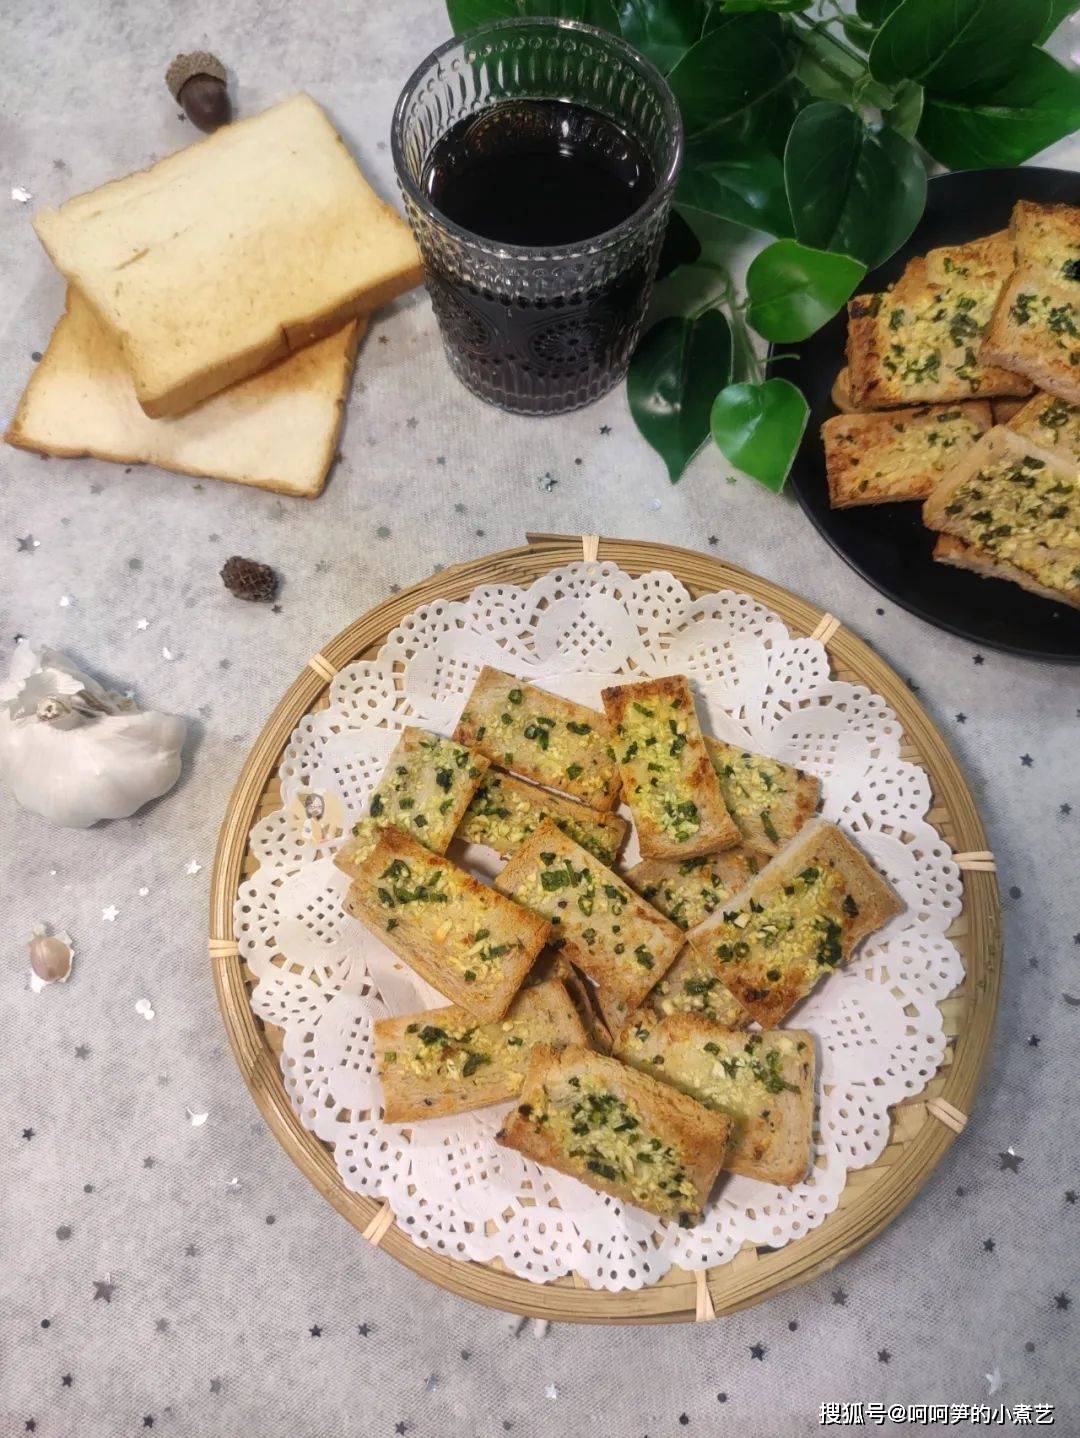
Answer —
(248, 579)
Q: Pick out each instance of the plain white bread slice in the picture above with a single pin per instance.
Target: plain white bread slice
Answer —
(277, 430)
(223, 258)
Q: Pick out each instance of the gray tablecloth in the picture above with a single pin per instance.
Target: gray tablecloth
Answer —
(188, 1279)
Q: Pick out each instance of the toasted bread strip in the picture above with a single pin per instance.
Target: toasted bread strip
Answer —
(769, 800)
(1017, 503)
(504, 811)
(472, 943)
(1035, 331)
(541, 737)
(1053, 423)
(687, 891)
(886, 456)
(987, 260)
(618, 1131)
(425, 790)
(1004, 410)
(441, 1061)
(621, 942)
(949, 550)
(799, 919)
(919, 342)
(764, 1082)
(668, 779)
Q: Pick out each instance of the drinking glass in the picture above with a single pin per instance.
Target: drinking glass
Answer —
(538, 329)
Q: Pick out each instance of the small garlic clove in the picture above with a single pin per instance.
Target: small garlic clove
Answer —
(50, 958)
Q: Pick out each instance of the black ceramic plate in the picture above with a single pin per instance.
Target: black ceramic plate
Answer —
(887, 543)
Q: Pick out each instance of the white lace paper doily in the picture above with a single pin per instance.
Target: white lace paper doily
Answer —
(322, 978)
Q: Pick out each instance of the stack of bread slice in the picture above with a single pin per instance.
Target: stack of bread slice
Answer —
(962, 389)
(215, 302)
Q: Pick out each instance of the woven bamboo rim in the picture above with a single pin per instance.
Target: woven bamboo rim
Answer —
(922, 1128)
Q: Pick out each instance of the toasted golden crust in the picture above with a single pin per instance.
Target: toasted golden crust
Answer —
(800, 918)
(505, 811)
(882, 457)
(1052, 422)
(590, 1116)
(841, 392)
(1003, 410)
(763, 1081)
(769, 800)
(621, 942)
(541, 737)
(441, 1061)
(668, 779)
(1035, 331)
(919, 342)
(949, 550)
(1019, 504)
(472, 943)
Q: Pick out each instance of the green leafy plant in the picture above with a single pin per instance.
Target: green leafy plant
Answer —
(813, 125)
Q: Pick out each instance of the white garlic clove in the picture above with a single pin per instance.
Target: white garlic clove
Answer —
(50, 958)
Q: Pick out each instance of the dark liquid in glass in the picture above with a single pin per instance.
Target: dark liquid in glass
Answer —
(537, 174)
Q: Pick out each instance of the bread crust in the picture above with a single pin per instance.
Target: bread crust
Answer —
(440, 939)
(654, 723)
(770, 1101)
(627, 960)
(697, 1136)
(537, 740)
(477, 1065)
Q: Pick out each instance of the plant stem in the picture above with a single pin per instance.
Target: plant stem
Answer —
(835, 58)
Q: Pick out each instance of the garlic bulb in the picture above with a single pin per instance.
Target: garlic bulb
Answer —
(50, 956)
(75, 752)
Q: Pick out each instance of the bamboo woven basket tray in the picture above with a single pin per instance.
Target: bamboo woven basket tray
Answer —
(922, 1127)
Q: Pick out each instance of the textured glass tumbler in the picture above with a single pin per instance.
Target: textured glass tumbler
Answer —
(547, 329)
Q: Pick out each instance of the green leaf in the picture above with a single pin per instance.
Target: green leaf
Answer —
(793, 289)
(737, 79)
(747, 188)
(1040, 104)
(854, 188)
(662, 29)
(674, 374)
(905, 112)
(680, 246)
(749, 7)
(467, 14)
(857, 31)
(956, 47)
(875, 12)
(1059, 10)
(758, 428)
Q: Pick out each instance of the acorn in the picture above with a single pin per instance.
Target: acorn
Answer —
(197, 83)
(50, 955)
